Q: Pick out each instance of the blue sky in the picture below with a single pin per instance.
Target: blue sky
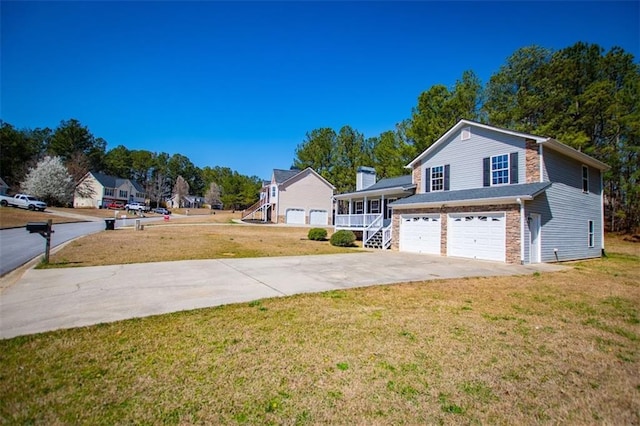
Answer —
(239, 84)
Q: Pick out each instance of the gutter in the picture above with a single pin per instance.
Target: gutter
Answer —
(470, 202)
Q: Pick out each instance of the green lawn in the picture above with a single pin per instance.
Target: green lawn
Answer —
(560, 348)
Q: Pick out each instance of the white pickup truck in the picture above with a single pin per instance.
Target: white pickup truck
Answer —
(23, 201)
(137, 207)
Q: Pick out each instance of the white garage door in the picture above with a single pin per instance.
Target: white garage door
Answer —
(420, 233)
(477, 236)
(318, 217)
(295, 216)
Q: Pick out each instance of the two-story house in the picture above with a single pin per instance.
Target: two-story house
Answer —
(294, 197)
(484, 192)
(488, 193)
(97, 190)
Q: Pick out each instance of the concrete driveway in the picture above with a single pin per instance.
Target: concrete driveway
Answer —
(44, 300)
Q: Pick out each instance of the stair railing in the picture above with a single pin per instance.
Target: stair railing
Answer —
(253, 209)
(386, 237)
(371, 230)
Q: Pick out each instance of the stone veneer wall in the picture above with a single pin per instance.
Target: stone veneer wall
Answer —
(532, 158)
(281, 219)
(417, 177)
(512, 227)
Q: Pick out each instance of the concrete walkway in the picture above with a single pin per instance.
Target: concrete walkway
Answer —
(44, 300)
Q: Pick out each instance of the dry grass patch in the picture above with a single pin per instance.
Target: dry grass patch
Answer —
(183, 241)
(11, 217)
(560, 348)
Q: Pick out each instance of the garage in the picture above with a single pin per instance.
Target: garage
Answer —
(420, 233)
(477, 236)
(318, 217)
(295, 216)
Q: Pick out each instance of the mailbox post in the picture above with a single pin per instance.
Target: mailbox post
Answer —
(44, 229)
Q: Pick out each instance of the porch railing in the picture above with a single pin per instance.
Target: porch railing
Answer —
(355, 220)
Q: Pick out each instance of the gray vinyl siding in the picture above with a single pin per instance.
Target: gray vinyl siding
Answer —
(465, 157)
(566, 211)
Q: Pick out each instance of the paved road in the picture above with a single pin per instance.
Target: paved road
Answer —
(18, 247)
(49, 299)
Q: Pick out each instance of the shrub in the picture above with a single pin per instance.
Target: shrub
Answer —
(317, 234)
(343, 238)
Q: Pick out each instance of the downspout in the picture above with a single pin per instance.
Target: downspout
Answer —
(541, 161)
(521, 203)
(602, 214)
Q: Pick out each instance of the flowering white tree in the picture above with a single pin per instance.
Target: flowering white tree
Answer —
(180, 189)
(50, 181)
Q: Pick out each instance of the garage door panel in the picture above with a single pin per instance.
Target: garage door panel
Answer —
(318, 217)
(420, 234)
(477, 236)
(295, 216)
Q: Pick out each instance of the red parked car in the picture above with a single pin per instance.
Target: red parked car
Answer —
(116, 205)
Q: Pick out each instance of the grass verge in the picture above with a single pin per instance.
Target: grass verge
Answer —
(560, 348)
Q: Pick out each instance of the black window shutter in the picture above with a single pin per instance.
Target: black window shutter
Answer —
(446, 177)
(513, 173)
(427, 179)
(486, 171)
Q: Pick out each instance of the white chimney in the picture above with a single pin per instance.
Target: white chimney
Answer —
(365, 177)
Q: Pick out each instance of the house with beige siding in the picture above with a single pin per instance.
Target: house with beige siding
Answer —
(484, 192)
(294, 197)
(97, 190)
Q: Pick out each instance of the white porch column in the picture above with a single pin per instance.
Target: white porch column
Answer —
(364, 212)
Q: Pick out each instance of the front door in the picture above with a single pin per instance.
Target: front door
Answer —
(534, 237)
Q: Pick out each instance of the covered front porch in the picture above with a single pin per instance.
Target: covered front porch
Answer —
(358, 213)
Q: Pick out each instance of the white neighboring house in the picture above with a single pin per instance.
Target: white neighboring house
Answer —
(185, 201)
(3, 187)
(97, 190)
(294, 197)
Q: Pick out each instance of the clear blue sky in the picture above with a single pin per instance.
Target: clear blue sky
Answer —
(239, 84)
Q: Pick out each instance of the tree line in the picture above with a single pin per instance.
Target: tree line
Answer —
(581, 95)
(162, 175)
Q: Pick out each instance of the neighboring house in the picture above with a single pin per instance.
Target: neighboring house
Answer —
(186, 201)
(97, 190)
(3, 187)
(488, 193)
(294, 197)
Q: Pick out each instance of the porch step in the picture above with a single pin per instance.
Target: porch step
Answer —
(376, 242)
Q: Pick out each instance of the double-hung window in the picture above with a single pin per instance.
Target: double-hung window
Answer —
(374, 206)
(437, 178)
(590, 234)
(123, 193)
(500, 169)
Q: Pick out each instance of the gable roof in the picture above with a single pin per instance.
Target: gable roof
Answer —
(109, 181)
(300, 173)
(281, 175)
(384, 185)
(545, 141)
(485, 195)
